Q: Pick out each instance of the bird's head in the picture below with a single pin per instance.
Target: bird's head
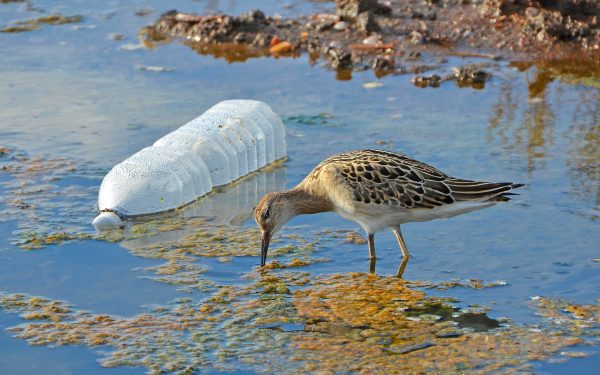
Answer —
(273, 210)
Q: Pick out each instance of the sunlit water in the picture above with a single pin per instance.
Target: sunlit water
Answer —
(71, 91)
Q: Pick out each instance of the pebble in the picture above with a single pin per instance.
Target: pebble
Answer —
(372, 40)
(532, 12)
(416, 37)
(425, 81)
(83, 27)
(153, 68)
(340, 26)
(282, 47)
(143, 12)
(430, 317)
(449, 333)
(131, 47)
(541, 36)
(372, 85)
(116, 36)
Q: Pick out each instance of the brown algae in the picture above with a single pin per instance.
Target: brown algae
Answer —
(47, 210)
(292, 321)
(35, 23)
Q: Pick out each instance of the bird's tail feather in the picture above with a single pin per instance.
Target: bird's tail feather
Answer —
(466, 190)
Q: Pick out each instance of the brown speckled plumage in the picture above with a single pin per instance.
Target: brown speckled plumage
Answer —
(387, 178)
(378, 190)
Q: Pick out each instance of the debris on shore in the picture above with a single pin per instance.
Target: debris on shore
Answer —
(387, 36)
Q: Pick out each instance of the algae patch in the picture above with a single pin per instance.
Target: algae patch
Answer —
(380, 324)
(182, 242)
(35, 23)
(52, 199)
(321, 119)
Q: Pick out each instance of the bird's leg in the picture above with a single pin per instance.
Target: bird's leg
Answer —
(372, 263)
(371, 245)
(403, 247)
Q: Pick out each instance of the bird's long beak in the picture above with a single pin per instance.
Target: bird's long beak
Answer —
(266, 238)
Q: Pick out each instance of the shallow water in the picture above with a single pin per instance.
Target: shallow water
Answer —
(71, 92)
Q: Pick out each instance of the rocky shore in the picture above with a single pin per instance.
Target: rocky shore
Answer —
(388, 36)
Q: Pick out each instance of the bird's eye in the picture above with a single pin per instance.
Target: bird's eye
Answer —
(266, 214)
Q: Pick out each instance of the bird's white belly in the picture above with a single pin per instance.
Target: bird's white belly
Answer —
(378, 220)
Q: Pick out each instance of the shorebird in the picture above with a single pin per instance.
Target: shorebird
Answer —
(378, 190)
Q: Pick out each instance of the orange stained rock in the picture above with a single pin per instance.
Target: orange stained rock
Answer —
(281, 47)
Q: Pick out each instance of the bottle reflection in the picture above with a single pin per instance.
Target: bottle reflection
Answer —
(231, 205)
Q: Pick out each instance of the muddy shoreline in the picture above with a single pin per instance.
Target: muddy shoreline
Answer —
(392, 37)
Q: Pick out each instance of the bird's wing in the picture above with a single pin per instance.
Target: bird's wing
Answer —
(387, 178)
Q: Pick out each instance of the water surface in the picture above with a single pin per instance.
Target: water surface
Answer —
(70, 92)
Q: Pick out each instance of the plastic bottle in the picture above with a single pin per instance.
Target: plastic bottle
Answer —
(228, 141)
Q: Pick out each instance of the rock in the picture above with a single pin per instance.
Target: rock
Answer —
(352, 8)
(117, 37)
(427, 15)
(365, 23)
(253, 16)
(371, 40)
(449, 333)
(153, 68)
(339, 58)
(372, 85)
(531, 12)
(282, 47)
(427, 81)
(527, 26)
(416, 37)
(541, 36)
(384, 63)
(241, 38)
(470, 76)
(324, 23)
(262, 40)
(143, 12)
